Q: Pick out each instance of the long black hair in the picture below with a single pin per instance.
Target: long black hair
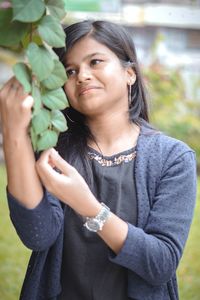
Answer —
(119, 41)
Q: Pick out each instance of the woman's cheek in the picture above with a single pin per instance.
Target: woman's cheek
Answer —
(66, 89)
(109, 70)
(69, 93)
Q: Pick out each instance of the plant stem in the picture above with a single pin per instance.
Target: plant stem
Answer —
(31, 33)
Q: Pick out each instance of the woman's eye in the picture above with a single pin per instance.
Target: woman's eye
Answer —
(95, 61)
(70, 72)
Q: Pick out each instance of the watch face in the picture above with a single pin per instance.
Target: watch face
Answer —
(92, 225)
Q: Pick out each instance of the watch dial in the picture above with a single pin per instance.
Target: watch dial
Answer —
(93, 225)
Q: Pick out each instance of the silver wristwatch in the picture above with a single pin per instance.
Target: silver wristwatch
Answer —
(95, 224)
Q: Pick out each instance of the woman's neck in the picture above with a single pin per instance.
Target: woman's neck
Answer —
(113, 133)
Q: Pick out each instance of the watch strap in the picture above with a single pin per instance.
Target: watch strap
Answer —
(99, 219)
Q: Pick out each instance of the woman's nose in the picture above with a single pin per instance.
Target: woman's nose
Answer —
(84, 74)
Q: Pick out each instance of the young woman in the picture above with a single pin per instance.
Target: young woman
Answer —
(113, 222)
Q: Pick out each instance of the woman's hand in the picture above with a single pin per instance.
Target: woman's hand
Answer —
(68, 185)
(15, 108)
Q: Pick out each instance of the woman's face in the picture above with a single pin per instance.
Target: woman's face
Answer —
(97, 82)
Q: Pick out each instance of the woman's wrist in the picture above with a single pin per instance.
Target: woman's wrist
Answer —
(15, 138)
(93, 210)
(91, 207)
(16, 147)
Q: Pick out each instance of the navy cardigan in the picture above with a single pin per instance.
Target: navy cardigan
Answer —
(165, 175)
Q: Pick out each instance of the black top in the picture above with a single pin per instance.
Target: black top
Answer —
(86, 264)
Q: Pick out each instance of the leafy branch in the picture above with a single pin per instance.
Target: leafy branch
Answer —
(34, 26)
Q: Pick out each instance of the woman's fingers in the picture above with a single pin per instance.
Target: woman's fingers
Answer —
(47, 166)
(58, 162)
(12, 87)
(12, 94)
(28, 102)
(18, 90)
(15, 107)
(44, 168)
(51, 158)
(51, 163)
(69, 186)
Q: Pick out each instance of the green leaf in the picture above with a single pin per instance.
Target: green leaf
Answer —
(28, 10)
(55, 99)
(22, 73)
(11, 32)
(40, 60)
(58, 120)
(47, 140)
(37, 99)
(53, 54)
(41, 121)
(34, 138)
(51, 32)
(57, 78)
(56, 8)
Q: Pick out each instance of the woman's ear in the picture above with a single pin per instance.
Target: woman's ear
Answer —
(131, 76)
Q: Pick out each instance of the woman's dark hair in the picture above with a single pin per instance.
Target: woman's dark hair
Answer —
(119, 41)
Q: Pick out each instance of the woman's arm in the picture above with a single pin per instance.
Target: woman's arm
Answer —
(154, 252)
(15, 111)
(37, 228)
(36, 215)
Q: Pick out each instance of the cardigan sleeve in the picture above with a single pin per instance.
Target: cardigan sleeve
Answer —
(153, 252)
(38, 228)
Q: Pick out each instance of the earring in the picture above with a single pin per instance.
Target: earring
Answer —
(129, 95)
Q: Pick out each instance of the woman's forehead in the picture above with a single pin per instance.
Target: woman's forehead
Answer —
(87, 47)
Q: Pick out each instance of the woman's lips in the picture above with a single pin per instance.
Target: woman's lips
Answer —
(87, 90)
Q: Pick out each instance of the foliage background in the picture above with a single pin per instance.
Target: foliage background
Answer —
(171, 110)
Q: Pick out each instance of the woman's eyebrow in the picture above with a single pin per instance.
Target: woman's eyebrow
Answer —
(85, 58)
